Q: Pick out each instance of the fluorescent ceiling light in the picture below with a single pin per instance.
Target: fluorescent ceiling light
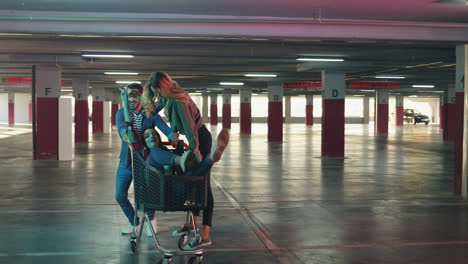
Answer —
(66, 90)
(231, 83)
(259, 75)
(390, 77)
(367, 90)
(127, 82)
(413, 96)
(422, 86)
(319, 59)
(108, 55)
(121, 73)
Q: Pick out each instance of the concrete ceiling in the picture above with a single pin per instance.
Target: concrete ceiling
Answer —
(200, 54)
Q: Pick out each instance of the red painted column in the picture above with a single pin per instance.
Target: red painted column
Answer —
(333, 114)
(30, 112)
(245, 118)
(441, 112)
(309, 118)
(98, 110)
(80, 92)
(275, 112)
(115, 109)
(11, 108)
(382, 112)
(48, 79)
(227, 108)
(399, 110)
(214, 109)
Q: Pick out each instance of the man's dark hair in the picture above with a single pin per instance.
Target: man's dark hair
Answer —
(136, 86)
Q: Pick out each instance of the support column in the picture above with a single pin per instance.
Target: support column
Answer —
(333, 113)
(205, 108)
(275, 112)
(309, 119)
(460, 182)
(214, 109)
(115, 108)
(107, 112)
(48, 79)
(382, 112)
(11, 108)
(245, 118)
(399, 110)
(98, 110)
(227, 108)
(80, 92)
(441, 112)
(365, 110)
(449, 120)
(287, 110)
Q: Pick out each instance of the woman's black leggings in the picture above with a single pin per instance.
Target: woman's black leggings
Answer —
(204, 140)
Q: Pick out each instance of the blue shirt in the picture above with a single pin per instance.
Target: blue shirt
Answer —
(146, 122)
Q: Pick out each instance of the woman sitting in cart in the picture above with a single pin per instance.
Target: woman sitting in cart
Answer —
(184, 117)
(159, 156)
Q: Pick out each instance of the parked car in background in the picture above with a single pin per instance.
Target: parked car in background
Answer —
(412, 116)
(420, 118)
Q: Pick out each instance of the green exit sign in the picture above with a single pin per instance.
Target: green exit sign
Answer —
(4, 80)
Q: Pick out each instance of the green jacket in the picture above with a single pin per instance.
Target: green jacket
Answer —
(183, 118)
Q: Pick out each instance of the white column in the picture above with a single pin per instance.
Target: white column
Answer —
(462, 75)
(365, 110)
(287, 110)
(205, 108)
(65, 131)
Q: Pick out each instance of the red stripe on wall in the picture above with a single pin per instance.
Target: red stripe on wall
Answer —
(47, 128)
(399, 115)
(226, 115)
(81, 121)
(98, 117)
(245, 118)
(214, 114)
(309, 118)
(450, 121)
(458, 146)
(275, 121)
(11, 114)
(114, 110)
(333, 122)
(382, 119)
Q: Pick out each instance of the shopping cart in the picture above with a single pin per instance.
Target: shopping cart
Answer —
(167, 192)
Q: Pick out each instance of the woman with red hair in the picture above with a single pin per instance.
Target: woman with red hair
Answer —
(184, 117)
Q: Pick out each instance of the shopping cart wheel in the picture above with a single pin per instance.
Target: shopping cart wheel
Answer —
(182, 241)
(198, 259)
(133, 244)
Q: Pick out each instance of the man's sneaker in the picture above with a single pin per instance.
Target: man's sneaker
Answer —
(127, 230)
(220, 145)
(197, 242)
(183, 230)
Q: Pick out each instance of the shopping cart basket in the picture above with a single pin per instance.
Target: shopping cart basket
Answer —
(165, 191)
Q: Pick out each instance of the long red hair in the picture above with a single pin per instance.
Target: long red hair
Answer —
(165, 87)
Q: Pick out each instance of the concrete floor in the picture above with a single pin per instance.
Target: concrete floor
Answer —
(389, 201)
